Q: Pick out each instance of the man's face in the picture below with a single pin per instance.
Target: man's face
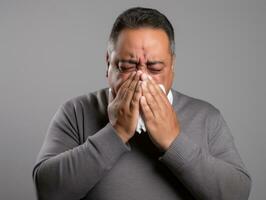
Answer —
(143, 49)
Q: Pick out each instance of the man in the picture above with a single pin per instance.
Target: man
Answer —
(184, 149)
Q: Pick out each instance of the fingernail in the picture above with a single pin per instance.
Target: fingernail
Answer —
(138, 73)
(144, 76)
(149, 77)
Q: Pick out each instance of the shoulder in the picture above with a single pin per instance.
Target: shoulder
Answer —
(194, 106)
(184, 100)
(96, 100)
(196, 111)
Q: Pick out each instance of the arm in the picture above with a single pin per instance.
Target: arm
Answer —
(66, 169)
(217, 173)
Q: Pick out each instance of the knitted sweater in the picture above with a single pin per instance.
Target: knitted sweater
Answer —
(82, 156)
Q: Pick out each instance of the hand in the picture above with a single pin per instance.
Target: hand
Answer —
(158, 114)
(123, 110)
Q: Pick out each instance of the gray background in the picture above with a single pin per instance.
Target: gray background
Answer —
(51, 51)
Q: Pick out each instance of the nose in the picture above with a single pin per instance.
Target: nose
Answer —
(142, 68)
(142, 65)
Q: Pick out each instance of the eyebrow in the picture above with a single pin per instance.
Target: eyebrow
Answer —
(154, 62)
(130, 61)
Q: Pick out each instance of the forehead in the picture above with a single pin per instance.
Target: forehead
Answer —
(147, 42)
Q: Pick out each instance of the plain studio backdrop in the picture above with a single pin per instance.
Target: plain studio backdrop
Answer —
(51, 51)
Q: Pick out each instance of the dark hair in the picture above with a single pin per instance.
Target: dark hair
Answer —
(139, 17)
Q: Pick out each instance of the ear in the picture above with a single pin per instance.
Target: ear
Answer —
(107, 59)
(173, 62)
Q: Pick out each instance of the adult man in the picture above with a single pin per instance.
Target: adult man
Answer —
(92, 150)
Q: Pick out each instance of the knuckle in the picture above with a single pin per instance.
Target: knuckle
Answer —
(131, 88)
(134, 102)
(121, 111)
(153, 91)
(138, 89)
(146, 107)
(150, 101)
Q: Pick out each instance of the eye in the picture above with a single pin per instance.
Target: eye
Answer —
(155, 68)
(126, 68)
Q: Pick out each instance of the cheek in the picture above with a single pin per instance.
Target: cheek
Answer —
(158, 78)
(164, 78)
(116, 79)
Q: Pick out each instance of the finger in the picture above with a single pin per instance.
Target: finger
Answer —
(134, 104)
(149, 98)
(146, 111)
(148, 78)
(155, 86)
(155, 94)
(131, 88)
(158, 93)
(125, 85)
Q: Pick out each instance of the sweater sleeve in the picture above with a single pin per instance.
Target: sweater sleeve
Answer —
(214, 174)
(66, 169)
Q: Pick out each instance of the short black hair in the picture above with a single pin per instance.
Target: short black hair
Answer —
(138, 17)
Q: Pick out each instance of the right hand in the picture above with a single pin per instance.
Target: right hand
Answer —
(123, 110)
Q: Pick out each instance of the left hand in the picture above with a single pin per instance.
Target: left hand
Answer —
(158, 114)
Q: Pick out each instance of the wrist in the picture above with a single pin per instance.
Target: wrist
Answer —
(167, 143)
(123, 136)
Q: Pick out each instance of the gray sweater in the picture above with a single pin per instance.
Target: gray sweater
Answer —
(82, 157)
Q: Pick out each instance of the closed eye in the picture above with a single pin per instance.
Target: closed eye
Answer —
(155, 67)
(126, 68)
